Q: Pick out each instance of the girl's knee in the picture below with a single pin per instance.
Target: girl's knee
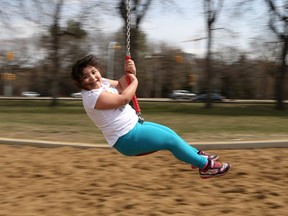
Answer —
(173, 143)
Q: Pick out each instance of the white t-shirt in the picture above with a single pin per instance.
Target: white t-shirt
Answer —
(113, 123)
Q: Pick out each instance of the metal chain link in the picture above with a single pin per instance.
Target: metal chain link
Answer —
(128, 28)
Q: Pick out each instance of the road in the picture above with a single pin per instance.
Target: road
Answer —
(145, 100)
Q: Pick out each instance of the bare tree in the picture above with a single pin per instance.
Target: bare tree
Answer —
(138, 9)
(278, 23)
(50, 16)
(55, 50)
(212, 10)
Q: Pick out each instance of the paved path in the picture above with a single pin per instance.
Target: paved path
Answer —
(201, 146)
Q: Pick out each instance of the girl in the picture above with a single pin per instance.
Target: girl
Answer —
(106, 102)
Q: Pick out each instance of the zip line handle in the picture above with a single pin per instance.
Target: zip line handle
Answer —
(134, 99)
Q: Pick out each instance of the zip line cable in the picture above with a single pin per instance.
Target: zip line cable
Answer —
(128, 57)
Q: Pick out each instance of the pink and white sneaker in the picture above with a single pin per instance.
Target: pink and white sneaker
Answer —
(206, 155)
(214, 169)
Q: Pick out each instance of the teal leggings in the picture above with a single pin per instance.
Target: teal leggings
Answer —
(149, 137)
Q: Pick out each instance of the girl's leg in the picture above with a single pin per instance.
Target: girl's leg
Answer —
(153, 137)
(168, 130)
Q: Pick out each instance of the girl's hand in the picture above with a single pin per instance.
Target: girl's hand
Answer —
(130, 67)
(132, 77)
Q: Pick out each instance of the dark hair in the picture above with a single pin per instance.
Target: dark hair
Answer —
(77, 69)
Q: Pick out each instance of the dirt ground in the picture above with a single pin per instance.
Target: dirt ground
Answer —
(68, 181)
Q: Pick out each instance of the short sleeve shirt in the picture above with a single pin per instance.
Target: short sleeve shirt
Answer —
(113, 123)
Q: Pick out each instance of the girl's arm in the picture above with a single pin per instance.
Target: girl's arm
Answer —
(122, 84)
(108, 100)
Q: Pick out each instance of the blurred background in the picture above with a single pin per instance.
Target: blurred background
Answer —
(197, 50)
(235, 49)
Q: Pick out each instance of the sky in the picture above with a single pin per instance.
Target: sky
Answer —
(169, 23)
(176, 25)
(181, 24)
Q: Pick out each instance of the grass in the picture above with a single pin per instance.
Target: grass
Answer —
(68, 122)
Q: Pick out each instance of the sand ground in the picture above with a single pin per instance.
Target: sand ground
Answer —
(68, 181)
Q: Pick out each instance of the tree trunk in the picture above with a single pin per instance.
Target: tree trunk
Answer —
(281, 78)
(55, 54)
(208, 70)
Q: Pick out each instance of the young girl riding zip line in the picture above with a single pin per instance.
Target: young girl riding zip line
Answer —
(106, 102)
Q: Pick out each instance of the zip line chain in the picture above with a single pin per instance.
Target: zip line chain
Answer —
(128, 29)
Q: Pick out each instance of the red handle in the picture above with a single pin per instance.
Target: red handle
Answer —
(134, 99)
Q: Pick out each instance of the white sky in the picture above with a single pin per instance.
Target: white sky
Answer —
(176, 24)
(185, 22)
(172, 25)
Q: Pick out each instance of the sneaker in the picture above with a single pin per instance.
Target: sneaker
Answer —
(213, 169)
(206, 155)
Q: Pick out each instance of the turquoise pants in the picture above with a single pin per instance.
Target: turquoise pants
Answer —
(149, 137)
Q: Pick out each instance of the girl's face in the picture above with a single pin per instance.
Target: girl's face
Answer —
(91, 78)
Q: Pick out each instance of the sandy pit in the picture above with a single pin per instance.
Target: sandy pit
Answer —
(69, 181)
